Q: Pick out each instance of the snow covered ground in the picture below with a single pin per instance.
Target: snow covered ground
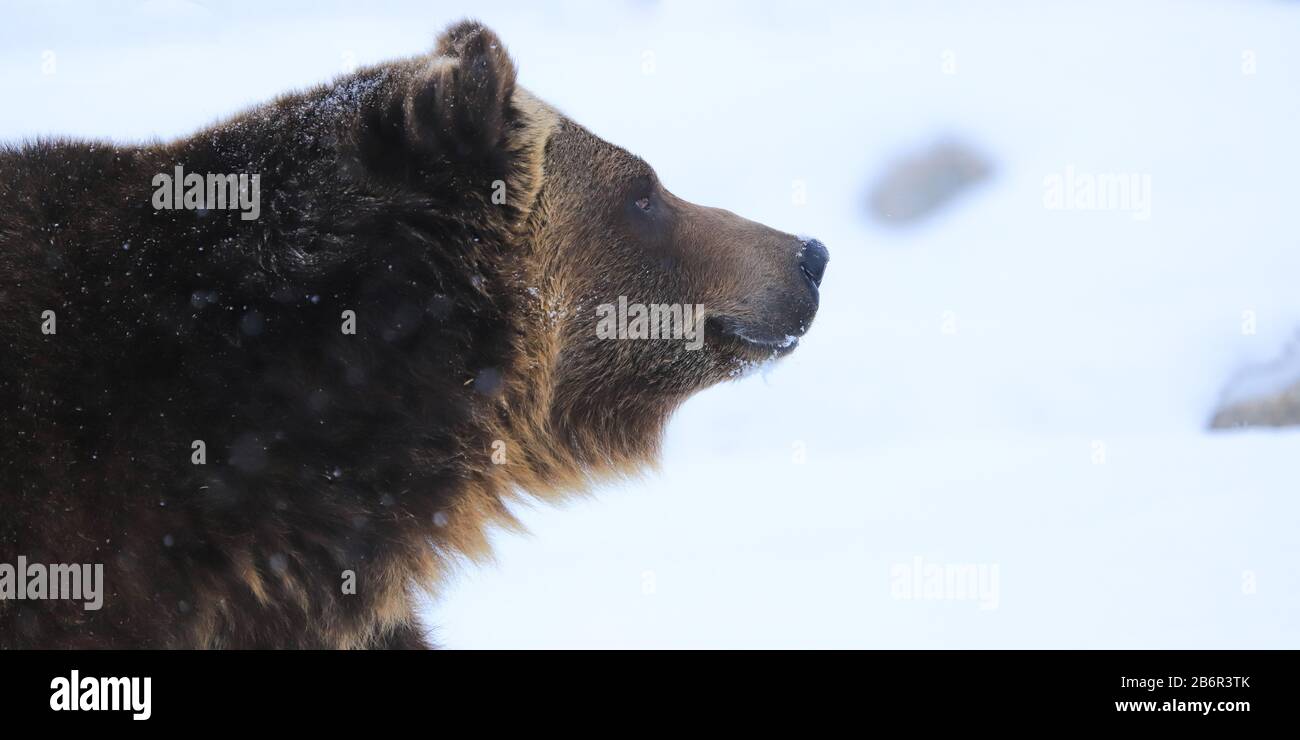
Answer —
(1009, 393)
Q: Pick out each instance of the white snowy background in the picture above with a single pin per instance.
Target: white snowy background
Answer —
(1057, 435)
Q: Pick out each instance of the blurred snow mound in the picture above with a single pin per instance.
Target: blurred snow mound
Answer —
(1266, 396)
(921, 183)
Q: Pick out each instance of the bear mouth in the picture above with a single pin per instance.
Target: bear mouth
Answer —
(757, 340)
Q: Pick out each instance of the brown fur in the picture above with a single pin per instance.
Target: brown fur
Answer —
(476, 334)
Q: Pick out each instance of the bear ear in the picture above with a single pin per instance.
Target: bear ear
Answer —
(463, 100)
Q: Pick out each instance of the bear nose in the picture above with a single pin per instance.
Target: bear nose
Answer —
(812, 260)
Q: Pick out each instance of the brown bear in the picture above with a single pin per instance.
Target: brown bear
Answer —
(261, 385)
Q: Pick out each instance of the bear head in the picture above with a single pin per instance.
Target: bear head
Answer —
(630, 298)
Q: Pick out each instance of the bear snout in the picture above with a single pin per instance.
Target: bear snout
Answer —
(785, 297)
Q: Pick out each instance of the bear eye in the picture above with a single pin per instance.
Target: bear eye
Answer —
(643, 204)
